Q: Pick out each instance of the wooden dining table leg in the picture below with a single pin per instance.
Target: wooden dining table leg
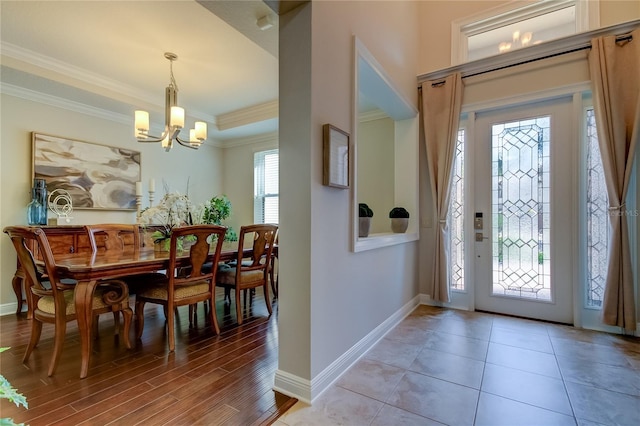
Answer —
(84, 314)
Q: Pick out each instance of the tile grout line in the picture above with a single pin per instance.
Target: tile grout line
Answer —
(484, 367)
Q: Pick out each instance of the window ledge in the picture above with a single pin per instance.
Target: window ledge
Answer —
(374, 241)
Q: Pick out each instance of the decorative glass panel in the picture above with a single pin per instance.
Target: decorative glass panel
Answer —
(521, 209)
(597, 218)
(456, 218)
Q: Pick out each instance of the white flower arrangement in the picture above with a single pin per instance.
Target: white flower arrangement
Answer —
(174, 209)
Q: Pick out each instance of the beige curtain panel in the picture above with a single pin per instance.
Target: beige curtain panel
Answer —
(441, 105)
(614, 63)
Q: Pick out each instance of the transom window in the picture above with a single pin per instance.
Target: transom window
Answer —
(505, 29)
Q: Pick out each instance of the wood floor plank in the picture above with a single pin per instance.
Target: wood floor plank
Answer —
(228, 392)
(140, 414)
(93, 412)
(209, 379)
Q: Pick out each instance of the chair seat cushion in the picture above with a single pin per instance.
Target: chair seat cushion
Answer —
(47, 305)
(160, 292)
(65, 281)
(226, 275)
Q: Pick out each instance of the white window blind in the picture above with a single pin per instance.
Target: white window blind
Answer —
(265, 177)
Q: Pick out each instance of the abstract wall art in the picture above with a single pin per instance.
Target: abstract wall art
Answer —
(96, 176)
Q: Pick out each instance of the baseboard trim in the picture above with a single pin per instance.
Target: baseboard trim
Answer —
(306, 391)
(8, 308)
(292, 386)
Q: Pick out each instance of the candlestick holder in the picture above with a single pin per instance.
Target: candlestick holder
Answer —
(151, 197)
(138, 205)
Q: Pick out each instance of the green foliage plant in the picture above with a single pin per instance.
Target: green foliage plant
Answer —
(8, 392)
(215, 211)
(364, 210)
(398, 212)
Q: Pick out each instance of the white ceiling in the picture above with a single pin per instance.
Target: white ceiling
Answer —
(109, 55)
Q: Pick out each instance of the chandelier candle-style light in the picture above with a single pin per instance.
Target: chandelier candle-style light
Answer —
(174, 119)
(518, 41)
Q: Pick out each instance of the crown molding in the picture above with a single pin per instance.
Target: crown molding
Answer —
(250, 115)
(77, 107)
(70, 72)
(63, 103)
(376, 114)
(53, 69)
(47, 67)
(270, 138)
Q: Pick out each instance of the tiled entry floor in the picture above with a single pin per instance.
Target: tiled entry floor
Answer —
(442, 366)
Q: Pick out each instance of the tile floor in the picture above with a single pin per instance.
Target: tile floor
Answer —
(442, 366)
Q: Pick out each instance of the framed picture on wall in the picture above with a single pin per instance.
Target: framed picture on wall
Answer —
(335, 157)
(96, 176)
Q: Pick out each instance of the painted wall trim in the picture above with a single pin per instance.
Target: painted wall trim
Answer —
(250, 115)
(52, 65)
(265, 138)
(306, 391)
(10, 308)
(63, 103)
(554, 47)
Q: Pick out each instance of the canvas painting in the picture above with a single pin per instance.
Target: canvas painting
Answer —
(96, 176)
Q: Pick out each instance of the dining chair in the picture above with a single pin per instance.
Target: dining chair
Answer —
(252, 271)
(53, 300)
(273, 277)
(185, 283)
(118, 238)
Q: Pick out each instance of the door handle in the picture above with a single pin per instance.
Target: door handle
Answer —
(480, 237)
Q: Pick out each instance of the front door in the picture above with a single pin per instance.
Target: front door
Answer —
(524, 186)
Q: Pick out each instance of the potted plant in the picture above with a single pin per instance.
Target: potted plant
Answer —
(173, 210)
(9, 392)
(365, 214)
(215, 211)
(399, 219)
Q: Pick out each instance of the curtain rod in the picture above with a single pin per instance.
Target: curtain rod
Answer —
(620, 38)
(581, 43)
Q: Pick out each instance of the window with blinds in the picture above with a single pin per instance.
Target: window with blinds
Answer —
(265, 177)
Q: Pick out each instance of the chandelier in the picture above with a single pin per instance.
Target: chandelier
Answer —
(174, 119)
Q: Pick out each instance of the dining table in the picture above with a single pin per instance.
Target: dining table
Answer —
(89, 268)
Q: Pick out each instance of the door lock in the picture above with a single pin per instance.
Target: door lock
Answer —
(478, 222)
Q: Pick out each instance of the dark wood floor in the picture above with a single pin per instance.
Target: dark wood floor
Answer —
(209, 379)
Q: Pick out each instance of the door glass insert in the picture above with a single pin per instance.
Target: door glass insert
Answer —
(521, 209)
(597, 218)
(456, 217)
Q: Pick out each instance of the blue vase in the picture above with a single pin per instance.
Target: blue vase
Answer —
(37, 208)
(34, 209)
